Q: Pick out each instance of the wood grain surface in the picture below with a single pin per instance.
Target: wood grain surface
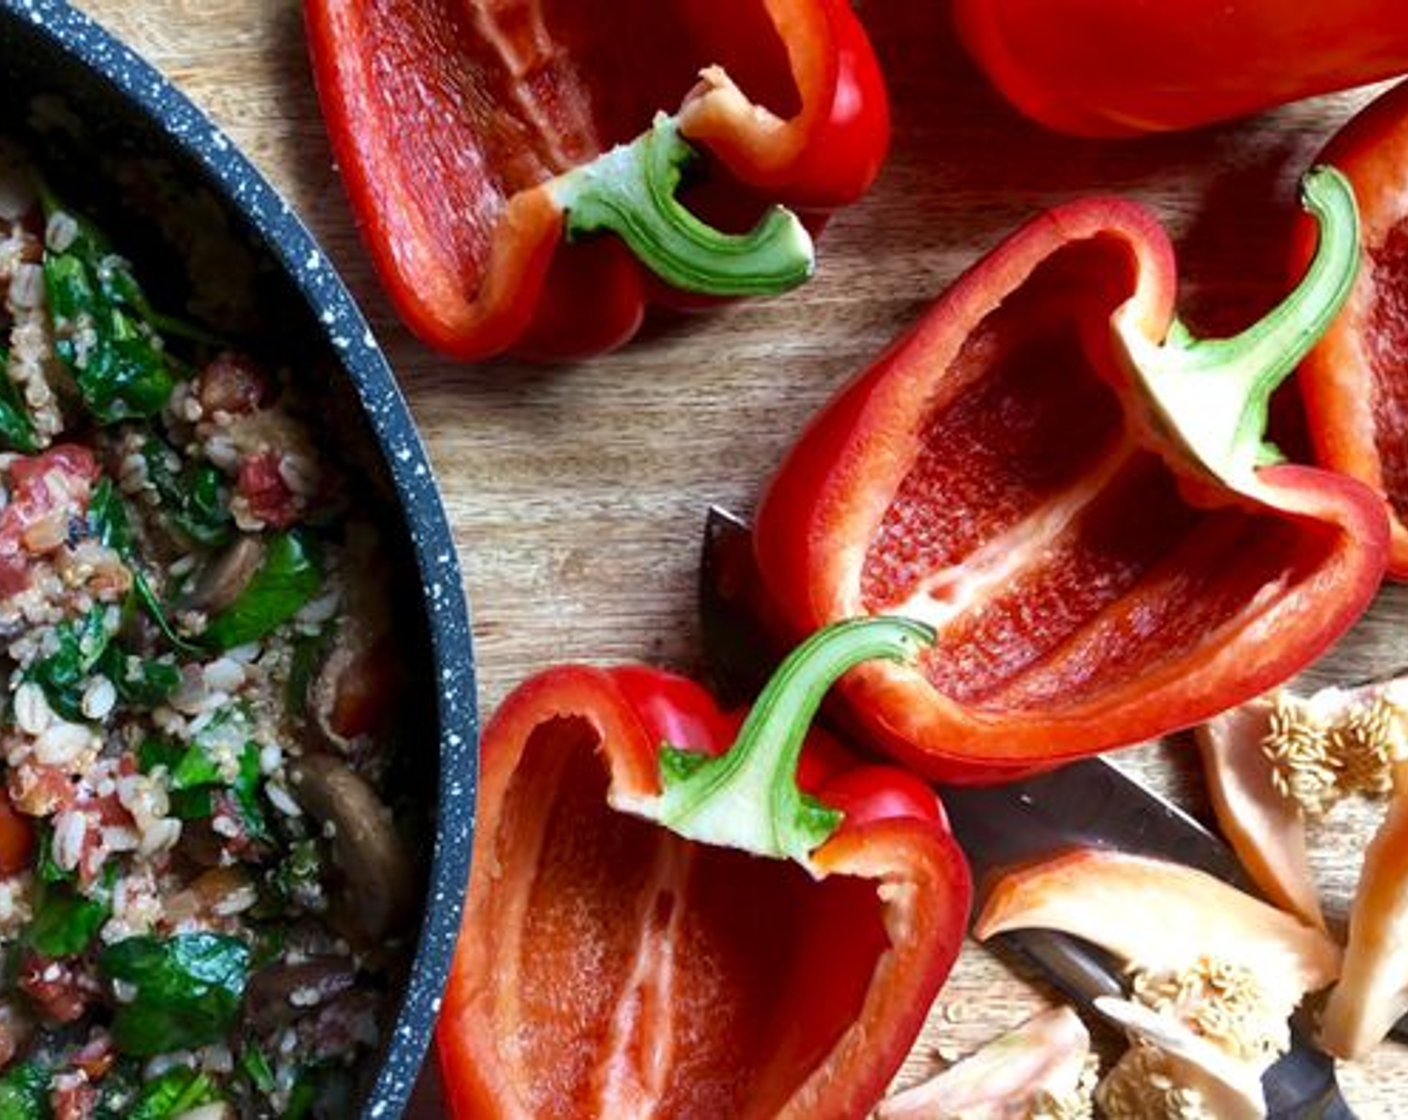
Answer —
(577, 493)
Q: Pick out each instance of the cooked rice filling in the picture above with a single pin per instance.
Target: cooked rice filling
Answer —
(198, 667)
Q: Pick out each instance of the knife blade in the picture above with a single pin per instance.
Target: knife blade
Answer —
(1085, 803)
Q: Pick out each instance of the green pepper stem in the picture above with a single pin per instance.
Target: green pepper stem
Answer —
(631, 191)
(748, 798)
(1213, 395)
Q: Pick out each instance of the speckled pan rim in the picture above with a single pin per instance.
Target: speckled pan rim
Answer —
(347, 333)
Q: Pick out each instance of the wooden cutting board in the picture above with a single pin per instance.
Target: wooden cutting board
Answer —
(578, 493)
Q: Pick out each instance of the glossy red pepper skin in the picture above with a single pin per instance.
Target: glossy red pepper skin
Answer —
(1114, 68)
(607, 967)
(1354, 384)
(995, 474)
(447, 119)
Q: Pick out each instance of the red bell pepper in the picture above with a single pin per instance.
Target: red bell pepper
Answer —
(1355, 382)
(1115, 68)
(471, 141)
(609, 966)
(1053, 473)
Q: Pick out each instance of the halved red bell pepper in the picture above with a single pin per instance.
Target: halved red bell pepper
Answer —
(1115, 68)
(472, 137)
(1053, 473)
(1355, 382)
(612, 966)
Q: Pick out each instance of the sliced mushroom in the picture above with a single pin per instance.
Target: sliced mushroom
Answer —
(282, 993)
(351, 692)
(234, 384)
(379, 878)
(225, 578)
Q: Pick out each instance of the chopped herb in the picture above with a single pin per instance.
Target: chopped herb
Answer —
(188, 990)
(286, 581)
(24, 1092)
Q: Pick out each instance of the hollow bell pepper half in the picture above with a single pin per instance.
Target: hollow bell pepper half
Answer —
(1109, 68)
(482, 146)
(1354, 384)
(696, 932)
(1076, 494)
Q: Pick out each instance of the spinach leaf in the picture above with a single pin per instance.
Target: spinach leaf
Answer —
(44, 865)
(16, 428)
(227, 733)
(153, 752)
(81, 643)
(107, 518)
(174, 1092)
(66, 922)
(24, 1092)
(295, 883)
(116, 359)
(108, 523)
(192, 804)
(193, 500)
(245, 790)
(188, 990)
(140, 682)
(303, 1094)
(195, 769)
(309, 653)
(118, 1090)
(255, 1066)
(289, 577)
(186, 804)
(102, 326)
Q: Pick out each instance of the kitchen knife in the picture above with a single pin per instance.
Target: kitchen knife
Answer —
(1083, 804)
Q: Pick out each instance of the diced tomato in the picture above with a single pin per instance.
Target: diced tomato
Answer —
(60, 990)
(269, 497)
(96, 1056)
(38, 790)
(16, 838)
(46, 492)
(75, 1100)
